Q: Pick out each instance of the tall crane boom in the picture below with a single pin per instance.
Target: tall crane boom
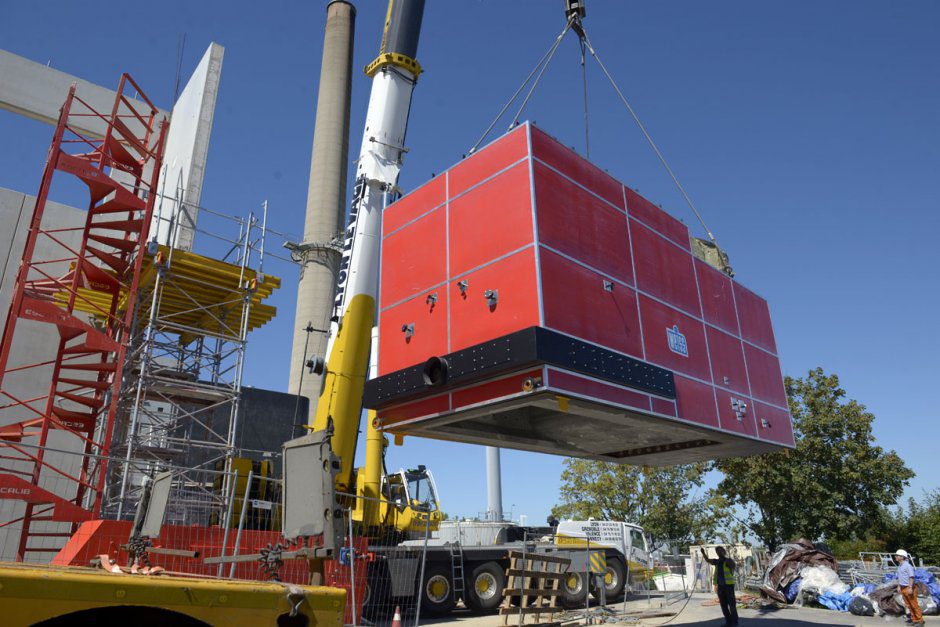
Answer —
(394, 74)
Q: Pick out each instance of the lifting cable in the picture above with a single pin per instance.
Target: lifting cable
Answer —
(535, 83)
(574, 23)
(652, 144)
(587, 137)
(546, 58)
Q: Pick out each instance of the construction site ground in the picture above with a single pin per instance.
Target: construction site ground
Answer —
(651, 612)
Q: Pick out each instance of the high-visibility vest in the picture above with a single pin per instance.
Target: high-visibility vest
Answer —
(728, 574)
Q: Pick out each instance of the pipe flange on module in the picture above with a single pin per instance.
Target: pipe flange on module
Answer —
(393, 58)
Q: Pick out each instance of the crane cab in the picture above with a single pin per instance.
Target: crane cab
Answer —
(409, 505)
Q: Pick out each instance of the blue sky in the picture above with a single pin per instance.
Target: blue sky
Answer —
(807, 133)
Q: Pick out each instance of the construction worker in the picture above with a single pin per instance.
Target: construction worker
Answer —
(724, 585)
(906, 584)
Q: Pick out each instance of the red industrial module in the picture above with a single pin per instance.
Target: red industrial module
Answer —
(529, 300)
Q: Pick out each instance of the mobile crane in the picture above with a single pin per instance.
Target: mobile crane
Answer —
(406, 501)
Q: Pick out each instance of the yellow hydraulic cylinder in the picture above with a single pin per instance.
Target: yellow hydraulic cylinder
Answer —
(372, 471)
(341, 398)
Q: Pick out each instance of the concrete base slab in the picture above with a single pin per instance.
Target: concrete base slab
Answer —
(693, 613)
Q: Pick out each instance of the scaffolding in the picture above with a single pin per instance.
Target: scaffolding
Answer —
(180, 398)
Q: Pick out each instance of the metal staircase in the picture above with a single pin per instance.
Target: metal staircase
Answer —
(80, 284)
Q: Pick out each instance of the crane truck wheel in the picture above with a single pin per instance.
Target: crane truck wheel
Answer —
(614, 579)
(437, 594)
(485, 592)
(575, 590)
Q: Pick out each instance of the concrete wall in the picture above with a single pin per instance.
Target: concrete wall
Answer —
(266, 421)
(37, 91)
(34, 342)
(186, 148)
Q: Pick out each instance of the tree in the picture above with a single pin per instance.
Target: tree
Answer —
(835, 484)
(918, 529)
(658, 499)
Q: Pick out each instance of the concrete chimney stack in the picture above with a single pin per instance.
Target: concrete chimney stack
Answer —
(494, 485)
(319, 253)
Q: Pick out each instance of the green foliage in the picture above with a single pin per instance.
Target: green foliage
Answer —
(918, 529)
(850, 548)
(836, 483)
(656, 498)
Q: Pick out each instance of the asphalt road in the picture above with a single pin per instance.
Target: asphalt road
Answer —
(693, 613)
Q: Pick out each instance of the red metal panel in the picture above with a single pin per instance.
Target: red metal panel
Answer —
(763, 370)
(566, 381)
(754, 315)
(696, 402)
(575, 302)
(727, 359)
(492, 390)
(491, 220)
(736, 412)
(773, 424)
(430, 195)
(658, 321)
(567, 161)
(398, 349)
(497, 156)
(663, 406)
(651, 215)
(717, 297)
(473, 321)
(418, 409)
(581, 225)
(663, 270)
(418, 251)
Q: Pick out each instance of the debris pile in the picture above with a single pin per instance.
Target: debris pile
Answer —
(885, 598)
(782, 579)
(802, 573)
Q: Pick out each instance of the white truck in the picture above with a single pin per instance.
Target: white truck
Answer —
(467, 559)
(625, 544)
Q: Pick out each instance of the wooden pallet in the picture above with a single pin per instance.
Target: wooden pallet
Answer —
(535, 579)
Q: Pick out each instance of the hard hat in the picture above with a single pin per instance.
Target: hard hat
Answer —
(902, 553)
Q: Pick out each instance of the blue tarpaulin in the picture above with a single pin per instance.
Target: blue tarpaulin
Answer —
(792, 590)
(838, 602)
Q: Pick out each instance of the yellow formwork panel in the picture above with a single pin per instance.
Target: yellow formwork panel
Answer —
(31, 594)
(198, 292)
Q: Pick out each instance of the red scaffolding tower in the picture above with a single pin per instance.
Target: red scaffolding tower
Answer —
(79, 283)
